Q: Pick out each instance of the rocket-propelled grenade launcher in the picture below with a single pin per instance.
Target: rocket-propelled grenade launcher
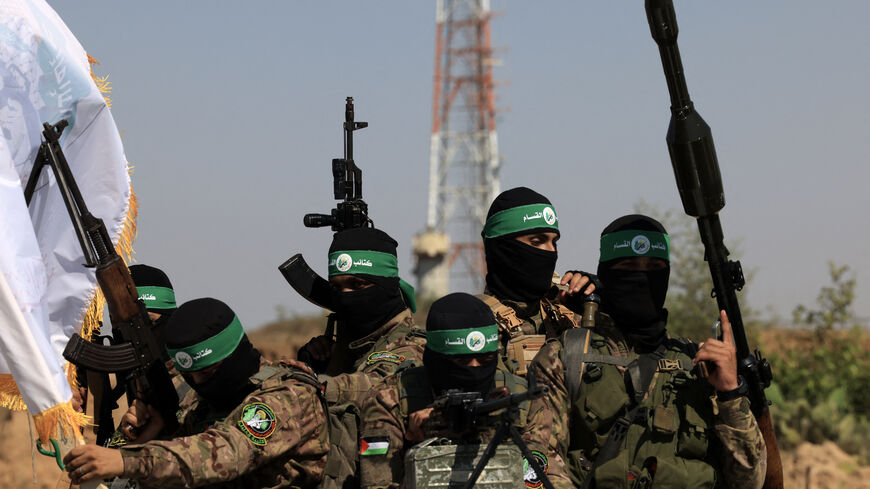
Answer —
(693, 157)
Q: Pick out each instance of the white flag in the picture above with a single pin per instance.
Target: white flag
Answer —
(45, 77)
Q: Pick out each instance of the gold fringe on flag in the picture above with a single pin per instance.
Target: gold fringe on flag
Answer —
(10, 397)
(61, 419)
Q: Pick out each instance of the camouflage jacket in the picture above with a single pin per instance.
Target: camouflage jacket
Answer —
(524, 327)
(385, 420)
(277, 437)
(361, 364)
(676, 421)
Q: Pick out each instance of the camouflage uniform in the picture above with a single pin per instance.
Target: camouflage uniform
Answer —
(357, 366)
(385, 417)
(675, 423)
(277, 437)
(525, 327)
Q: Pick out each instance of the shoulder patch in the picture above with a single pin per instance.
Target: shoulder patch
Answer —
(530, 477)
(258, 422)
(374, 445)
(384, 356)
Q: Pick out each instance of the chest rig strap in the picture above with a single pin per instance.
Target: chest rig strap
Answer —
(640, 373)
(505, 315)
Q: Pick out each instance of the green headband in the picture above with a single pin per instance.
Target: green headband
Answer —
(522, 218)
(157, 297)
(363, 261)
(469, 341)
(209, 351)
(629, 244)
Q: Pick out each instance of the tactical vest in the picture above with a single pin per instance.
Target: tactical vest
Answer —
(439, 463)
(666, 440)
(520, 339)
(342, 462)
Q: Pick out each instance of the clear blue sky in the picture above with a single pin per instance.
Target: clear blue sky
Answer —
(230, 113)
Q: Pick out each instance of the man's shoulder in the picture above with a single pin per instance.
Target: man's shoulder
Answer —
(387, 393)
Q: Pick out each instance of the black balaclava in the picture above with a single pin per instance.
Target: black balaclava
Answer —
(460, 325)
(203, 332)
(515, 270)
(155, 290)
(361, 312)
(635, 299)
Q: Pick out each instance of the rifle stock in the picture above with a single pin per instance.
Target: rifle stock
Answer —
(699, 181)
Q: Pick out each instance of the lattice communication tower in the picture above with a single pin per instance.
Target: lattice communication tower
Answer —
(464, 160)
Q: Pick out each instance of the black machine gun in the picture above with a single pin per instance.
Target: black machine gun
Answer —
(461, 415)
(351, 212)
(137, 356)
(696, 168)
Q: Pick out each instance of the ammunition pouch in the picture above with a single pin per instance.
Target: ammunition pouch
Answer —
(522, 350)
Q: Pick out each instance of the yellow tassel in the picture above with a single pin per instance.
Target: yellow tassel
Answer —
(10, 397)
(103, 83)
(61, 419)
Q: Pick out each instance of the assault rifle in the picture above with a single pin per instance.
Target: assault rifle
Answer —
(459, 415)
(693, 157)
(351, 212)
(136, 356)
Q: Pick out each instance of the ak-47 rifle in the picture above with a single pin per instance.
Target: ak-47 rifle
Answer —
(693, 157)
(351, 212)
(137, 357)
(461, 415)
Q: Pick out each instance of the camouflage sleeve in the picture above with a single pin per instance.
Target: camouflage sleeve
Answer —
(354, 387)
(745, 455)
(382, 440)
(267, 426)
(547, 428)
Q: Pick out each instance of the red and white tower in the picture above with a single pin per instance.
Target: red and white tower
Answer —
(464, 160)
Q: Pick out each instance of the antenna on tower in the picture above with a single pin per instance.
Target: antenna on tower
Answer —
(464, 161)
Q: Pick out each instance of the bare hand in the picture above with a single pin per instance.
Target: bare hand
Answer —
(415, 425)
(320, 348)
(722, 356)
(141, 422)
(89, 462)
(575, 282)
(80, 399)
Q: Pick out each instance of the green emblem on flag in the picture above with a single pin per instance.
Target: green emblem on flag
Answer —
(258, 422)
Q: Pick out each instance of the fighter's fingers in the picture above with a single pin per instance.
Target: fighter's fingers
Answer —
(577, 283)
(727, 336)
(566, 278)
(71, 455)
(132, 419)
(712, 356)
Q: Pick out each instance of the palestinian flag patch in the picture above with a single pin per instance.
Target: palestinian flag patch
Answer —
(374, 445)
(530, 477)
(258, 422)
(384, 356)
